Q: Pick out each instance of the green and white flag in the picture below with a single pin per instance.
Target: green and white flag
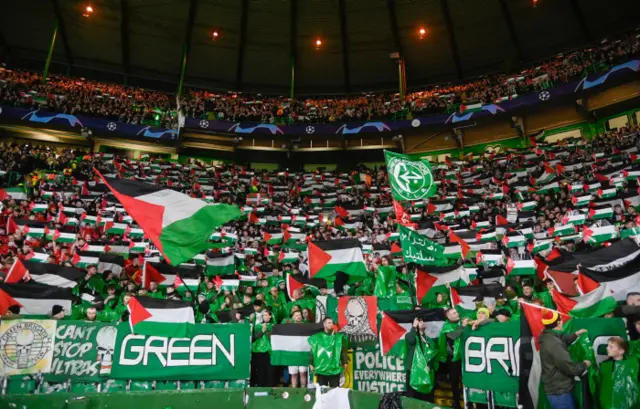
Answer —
(597, 235)
(409, 179)
(418, 249)
(521, 267)
(290, 345)
(15, 193)
(220, 264)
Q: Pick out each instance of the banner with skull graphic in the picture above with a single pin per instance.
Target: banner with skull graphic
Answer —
(83, 351)
(26, 346)
(357, 318)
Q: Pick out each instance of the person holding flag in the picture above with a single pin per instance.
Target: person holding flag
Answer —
(263, 373)
(328, 358)
(419, 363)
(558, 369)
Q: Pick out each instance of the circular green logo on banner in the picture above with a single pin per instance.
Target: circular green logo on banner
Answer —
(409, 180)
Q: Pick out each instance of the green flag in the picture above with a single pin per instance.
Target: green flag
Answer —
(409, 179)
(422, 374)
(417, 248)
(385, 285)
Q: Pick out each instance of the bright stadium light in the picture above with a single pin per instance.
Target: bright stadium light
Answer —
(88, 11)
(318, 44)
(215, 34)
(422, 32)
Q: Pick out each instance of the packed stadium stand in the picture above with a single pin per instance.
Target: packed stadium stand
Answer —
(346, 204)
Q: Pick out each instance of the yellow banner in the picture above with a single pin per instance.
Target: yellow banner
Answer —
(26, 346)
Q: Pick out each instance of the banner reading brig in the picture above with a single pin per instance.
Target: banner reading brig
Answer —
(491, 358)
(212, 352)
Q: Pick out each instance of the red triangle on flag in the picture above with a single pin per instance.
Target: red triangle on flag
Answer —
(563, 303)
(292, 286)
(318, 258)
(510, 265)
(7, 301)
(178, 282)
(149, 274)
(586, 284)
(424, 282)
(137, 313)
(17, 272)
(390, 333)
(455, 297)
(218, 282)
(266, 237)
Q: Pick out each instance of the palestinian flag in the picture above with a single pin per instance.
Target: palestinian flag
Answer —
(14, 193)
(289, 343)
(326, 258)
(227, 282)
(287, 257)
(521, 267)
(527, 206)
(36, 257)
(562, 230)
(632, 232)
(597, 303)
(601, 212)
(31, 228)
(220, 263)
(531, 328)
(514, 239)
(38, 207)
(34, 298)
(43, 273)
(574, 219)
(177, 224)
(463, 297)
(432, 280)
(273, 238)
(597, 235)
(607, 193)
(396, 324)
(153, 316)
(550, 187)
(539, 246)
(296, 281)
(58, 237)
(84, 259)
(470, 107)
(166, 275)
(537, 138)
(619, 281)
(581, 201)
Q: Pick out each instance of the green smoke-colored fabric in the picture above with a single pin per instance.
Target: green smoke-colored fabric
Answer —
(443, 345)
(385, 284)
(422, 372)
(619, 387)
(581, 350)
(327, 350)
(262, 338)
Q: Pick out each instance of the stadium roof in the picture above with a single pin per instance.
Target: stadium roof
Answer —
(259, 38)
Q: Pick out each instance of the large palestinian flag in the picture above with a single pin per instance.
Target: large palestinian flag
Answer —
(433, 280)
(178, 225)
(150, 316)
(326, 258)
(595, 304)
(290, 343)
(296, 281)
(619, 281)
(34, 298)
(43, 273)
(396, 324)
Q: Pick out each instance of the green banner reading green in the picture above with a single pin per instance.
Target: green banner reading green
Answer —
(212, 352)
(417, 248)
(83, 351)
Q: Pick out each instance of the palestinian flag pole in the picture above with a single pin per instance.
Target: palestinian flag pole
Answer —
(177, 224)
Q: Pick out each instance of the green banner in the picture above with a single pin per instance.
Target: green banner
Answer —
(491, 355)
(83, 351)
(212, 352)
(417, 248)
(373, 372)
(492, 352)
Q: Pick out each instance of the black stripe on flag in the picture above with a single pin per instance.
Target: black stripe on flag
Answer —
(69, 273)
(328, 245)
(184, 271)
(492, 290)
(159, 303)
(33, 290)
(605, 255)
(613, 274)
(133, 188)
(407, 316)
(303, 330)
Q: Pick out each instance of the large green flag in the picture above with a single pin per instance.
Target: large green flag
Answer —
(83, 351)
(210, 352)
(385, 285)
(422, 372)
(409, 179)
(417, 248)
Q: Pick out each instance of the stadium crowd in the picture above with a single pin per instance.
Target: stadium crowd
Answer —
(135, 105)
(561, 200)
